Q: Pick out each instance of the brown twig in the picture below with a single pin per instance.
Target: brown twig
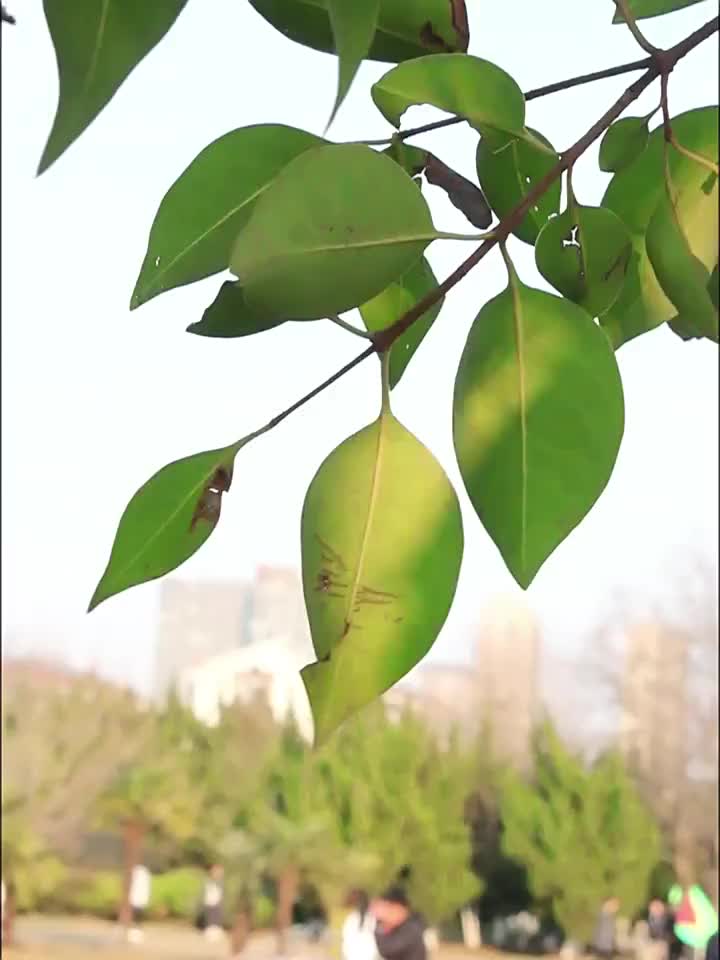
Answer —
(5, 16)
(382, 340)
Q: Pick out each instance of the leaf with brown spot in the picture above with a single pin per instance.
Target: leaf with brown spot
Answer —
(462, 193)
(167, 520)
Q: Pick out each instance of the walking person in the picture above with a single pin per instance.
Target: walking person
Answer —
(212, 903)
(604, 939)
(139, 898)
(399, 933)
(659, 925)
(358, 930)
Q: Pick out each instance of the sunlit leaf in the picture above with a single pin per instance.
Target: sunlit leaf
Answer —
(200, 215)
(97, 44)
(404, 30)
(622, 142)
(339, 224)
(230, 316)
(634, 193)
(167, 520)
(644, 9)
(381, 549)
(682, 245)
(384, 309)
(538, 419)
(353, 27)
(469, 87)
(509, 171)
(584, 253)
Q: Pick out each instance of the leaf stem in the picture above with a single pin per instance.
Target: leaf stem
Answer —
(385, 381)
(535, 94)
(704, 161)
(441, 235)
(349, 327)
(629, 17)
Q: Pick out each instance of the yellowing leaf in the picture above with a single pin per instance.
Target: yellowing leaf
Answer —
(381, 550)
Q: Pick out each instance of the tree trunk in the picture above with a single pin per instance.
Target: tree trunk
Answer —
(133, 831)
(8, 920)
(288, 881)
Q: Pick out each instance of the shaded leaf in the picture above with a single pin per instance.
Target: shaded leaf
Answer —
(403, 30)
(381, 550)
(411, 159)
(634, 193)
(479, 91)
(584, 253)
(684, 327)
(384, 309)
(509, 171)
(353, 28)
(463, 194)
(682, 246)
(167, 520)
(97, 44)
(644, 9)
(622, 142)
(339, 224)
(200, 215)
(230, 316)
(538, 419)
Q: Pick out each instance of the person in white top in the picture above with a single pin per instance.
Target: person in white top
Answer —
(212, 905)
(358, 931)
(140, 883)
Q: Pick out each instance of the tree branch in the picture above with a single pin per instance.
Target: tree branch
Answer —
(535, 94)
(5, 16)
(383, 339)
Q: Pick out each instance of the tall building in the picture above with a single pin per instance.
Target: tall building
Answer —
(653, 725)
(276, 611)
(198, 620)
(508, 699)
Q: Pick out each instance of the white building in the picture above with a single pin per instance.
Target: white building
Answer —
(269, 667)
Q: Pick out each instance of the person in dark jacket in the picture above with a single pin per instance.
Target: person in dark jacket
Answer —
(399, 933)
(711, 948)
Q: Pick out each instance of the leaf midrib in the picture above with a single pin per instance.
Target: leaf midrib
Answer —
(102, 24)
(522, 390)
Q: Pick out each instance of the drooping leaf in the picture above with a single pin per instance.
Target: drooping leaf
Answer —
(584, 253)
(384, 309)
(167, 520)
(97, 44)
(411, 159)
(622, 142)
(508, 171)
(683, 326)
(538, 419)
(200, 215)
(338, 225)
(469, 87)
(462, 193)
(634, 193)
(682, 246)
(644, 9)
(404, 30)
(230, 316)
(381, 550)
(353, 28)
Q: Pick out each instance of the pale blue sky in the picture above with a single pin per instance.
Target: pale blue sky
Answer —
(95, 399)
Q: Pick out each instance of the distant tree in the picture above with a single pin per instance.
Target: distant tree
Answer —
(160, 791)
(583, 834)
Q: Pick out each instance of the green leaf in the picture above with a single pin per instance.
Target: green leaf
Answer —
(412, 159)
(339, 224)
(622, 142)
(167, 520)
(384, 309)
(682, 245)
(353, 26)
(538, 419)
(584, 253)
(404, 30)
(634, 193)
(685, 327)
(644, 9)
(381, 550)
(508, 172)
(97, 44)
(479, 91)
(230, 316)
(200, 215)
